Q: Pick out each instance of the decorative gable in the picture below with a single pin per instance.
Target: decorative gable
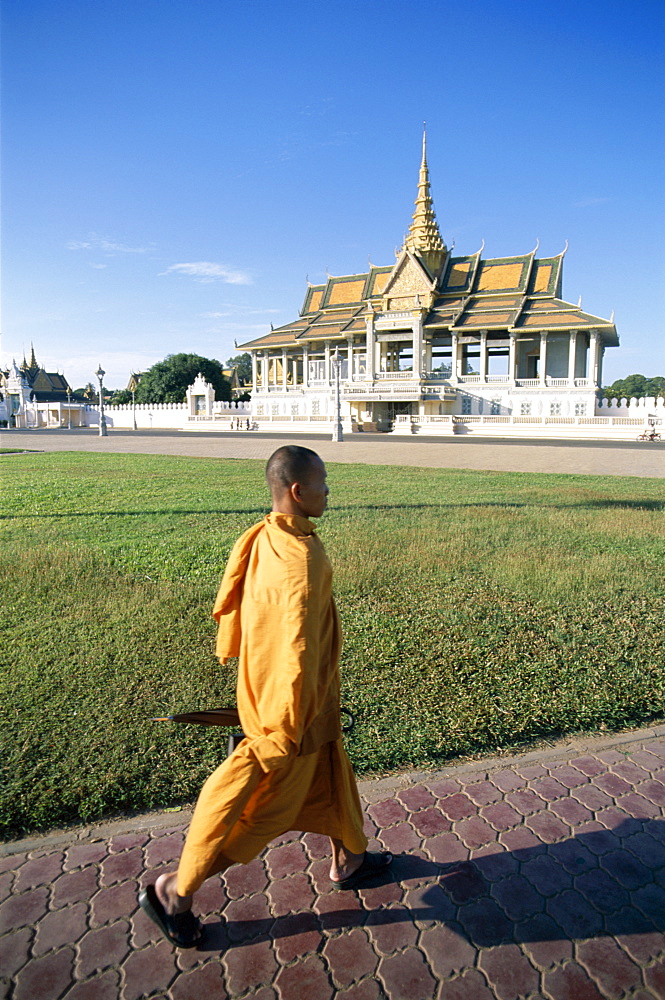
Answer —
(409, 286)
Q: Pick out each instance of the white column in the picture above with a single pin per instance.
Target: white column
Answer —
(369, 347)
(284, 370)
(455, 361)
(264, 370)
(327, 364)
(418, 346)
(592, 369)
(572, 343)
(542, 373)
(349, 354)
(483, 355)
(305, 365)
(255, 374)
(428, 356)
(512, 357)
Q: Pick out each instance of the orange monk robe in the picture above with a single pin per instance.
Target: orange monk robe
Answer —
(277, 614)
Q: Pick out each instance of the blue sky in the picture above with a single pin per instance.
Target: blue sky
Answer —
(175, 170)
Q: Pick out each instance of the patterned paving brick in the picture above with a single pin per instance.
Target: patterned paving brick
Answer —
(148, 971)
(318, 846)
(643, 948)
(114, 903)
(367, 990)
(73, 887)
(568, 776)
(401, 838)
(23, 910)
(350, 957)
(612, 784)
(596, 838)
(517, 897)
(406, 975)
(286, 860)
(463, 882)
(447, 949)
(609, 967)
(443, 787)
(245, 880)
(248, 918)
(541, 939)
(82, 855)
(291, 894)
(211, 897)
(391, 930)
(509, 972)
(547, 827)
(102, 948)
(548, 788)
(249, 966)
(304, 980)
(650, 900)
(120, 867)
(494, 863)
(126, 841)
(104, 987)
(45, 978)
(531, 771)
(12, 862)
(457, 807)
(485, 923)
(164, 850)
(626, 869)
(654, 978)
(416, 798)
(483, 793)
(646, 849)
(38, 871)
(205, 983)
(654, 790)
(602, 891)
(501, 815)
(470, 985)
(521, 840)
(576, 917)
(295, 936)
(631, 771)
(546, 875)
(474, 831)
(525, 801)
(588, 765)
(591, 797)
(387, 813)
(61, 927)
(446, 848)
(570, 982)
(507, 781)
(14, 952)
(571, 811)
(638, 806)
(573, 856)
(429, 822)
(373, 897)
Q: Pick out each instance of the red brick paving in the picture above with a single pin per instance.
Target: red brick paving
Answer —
(539, 877)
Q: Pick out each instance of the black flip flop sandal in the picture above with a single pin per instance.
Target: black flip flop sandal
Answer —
(181, 929)
(372, 864)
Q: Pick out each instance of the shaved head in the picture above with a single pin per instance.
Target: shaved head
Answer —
(288, 465)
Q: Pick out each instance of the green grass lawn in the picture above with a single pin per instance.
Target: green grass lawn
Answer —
(481, 611)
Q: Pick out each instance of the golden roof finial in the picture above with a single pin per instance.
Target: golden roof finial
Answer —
(424, 237)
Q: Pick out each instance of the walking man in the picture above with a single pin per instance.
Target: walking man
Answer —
(276, 612)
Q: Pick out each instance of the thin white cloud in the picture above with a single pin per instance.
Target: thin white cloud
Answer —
(206, 271)
(95, 242)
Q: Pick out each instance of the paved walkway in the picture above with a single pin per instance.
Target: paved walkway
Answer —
(538, 877)
(600, 458)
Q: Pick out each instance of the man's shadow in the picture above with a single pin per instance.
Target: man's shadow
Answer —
(602, 883)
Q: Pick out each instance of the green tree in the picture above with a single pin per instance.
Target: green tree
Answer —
(167, 381)
(121, 397)
(635, 385)
(243, 365)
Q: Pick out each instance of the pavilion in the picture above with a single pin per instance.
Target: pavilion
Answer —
(434, 341)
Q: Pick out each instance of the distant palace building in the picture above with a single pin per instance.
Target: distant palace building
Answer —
(432, 337)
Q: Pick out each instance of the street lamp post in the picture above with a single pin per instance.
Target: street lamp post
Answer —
(69, 410)
(338, 433)
(100, 373)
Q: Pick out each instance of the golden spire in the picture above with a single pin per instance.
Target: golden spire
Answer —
(424, 237)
